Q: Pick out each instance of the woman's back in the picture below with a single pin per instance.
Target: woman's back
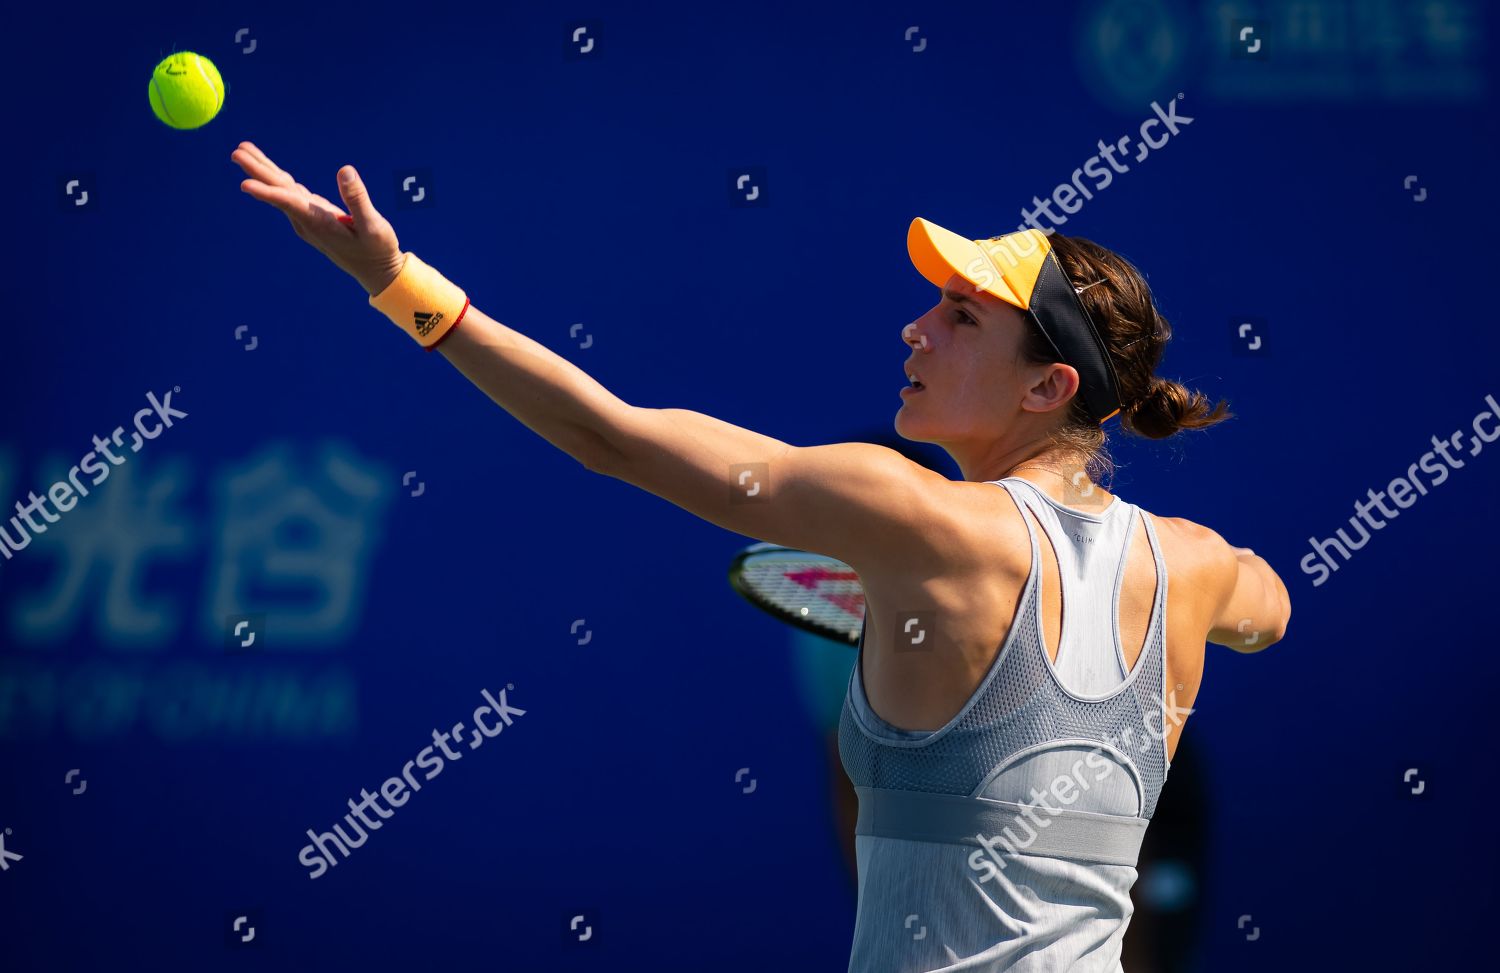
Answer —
(973, 593)
(1004, 836)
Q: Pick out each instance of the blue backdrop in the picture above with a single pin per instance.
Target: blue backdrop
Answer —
(704, 209)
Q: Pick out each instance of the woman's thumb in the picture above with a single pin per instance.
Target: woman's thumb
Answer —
(355, 196)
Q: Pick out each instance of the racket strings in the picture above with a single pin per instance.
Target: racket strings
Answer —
(811, 589)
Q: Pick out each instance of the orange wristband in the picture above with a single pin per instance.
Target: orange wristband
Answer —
(422, 302)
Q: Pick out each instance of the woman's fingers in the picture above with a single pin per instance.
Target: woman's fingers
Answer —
(309, 212)
(255, 150)
(280, 197)
(276, 186)
(256, 169)
(272, 173)
(356, 197)
(295, 197)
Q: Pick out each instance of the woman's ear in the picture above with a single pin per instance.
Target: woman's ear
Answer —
(1057, 384)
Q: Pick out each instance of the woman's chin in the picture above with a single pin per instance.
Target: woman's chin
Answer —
(909, 426)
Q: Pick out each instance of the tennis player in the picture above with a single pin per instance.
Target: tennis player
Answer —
(1023, 677)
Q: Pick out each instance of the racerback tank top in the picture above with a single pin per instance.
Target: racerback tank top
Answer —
(1008, 838)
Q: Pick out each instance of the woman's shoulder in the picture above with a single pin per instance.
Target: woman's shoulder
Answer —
(1188, 538)
(1197, 557)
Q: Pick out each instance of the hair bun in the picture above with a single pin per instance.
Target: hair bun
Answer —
(1168, 407)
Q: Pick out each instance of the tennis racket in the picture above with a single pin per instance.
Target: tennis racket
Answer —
(814, 592)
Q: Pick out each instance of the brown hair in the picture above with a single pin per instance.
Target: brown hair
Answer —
(1119, 301)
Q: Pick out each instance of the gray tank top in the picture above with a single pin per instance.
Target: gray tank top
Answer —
(1008, 838)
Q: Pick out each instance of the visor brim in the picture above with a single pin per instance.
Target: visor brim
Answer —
(939, 253)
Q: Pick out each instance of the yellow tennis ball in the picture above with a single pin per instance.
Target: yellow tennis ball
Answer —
(186, 90)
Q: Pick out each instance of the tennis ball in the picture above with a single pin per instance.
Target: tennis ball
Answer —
(186, 90)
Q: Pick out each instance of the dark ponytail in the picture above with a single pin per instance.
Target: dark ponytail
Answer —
(1167, 408)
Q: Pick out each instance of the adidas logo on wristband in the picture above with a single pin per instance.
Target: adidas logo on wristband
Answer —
(419, 286)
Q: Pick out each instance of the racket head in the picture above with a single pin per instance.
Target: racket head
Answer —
(814, 592)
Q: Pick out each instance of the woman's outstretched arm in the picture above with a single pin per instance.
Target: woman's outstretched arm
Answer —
(855, 501)
(862, 503)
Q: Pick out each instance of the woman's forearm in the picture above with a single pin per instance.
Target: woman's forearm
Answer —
(549, 394)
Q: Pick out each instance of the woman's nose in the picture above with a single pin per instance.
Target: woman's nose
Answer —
(910, 335)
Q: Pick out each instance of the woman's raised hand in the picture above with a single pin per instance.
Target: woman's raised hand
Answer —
(363, 243)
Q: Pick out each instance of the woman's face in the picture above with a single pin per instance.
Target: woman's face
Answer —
(968, 366)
